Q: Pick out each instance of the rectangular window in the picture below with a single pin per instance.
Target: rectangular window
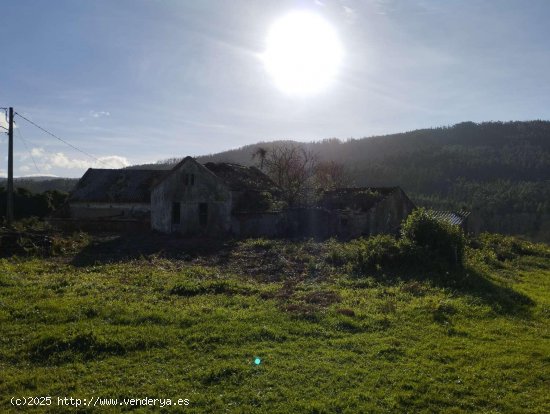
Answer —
(186, 179)
(192, 179)
(203, 214)
(176, 213)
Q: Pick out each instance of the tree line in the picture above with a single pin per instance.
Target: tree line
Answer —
(29, 204)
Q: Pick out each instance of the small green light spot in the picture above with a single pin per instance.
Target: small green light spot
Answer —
(257, 361)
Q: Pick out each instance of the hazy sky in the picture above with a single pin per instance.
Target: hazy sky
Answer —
(134, 81)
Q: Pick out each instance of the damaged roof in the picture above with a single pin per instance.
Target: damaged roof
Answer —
(361, 199)
(241, 178)
(116, 185)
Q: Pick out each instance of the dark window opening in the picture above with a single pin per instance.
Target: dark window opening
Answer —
(344, 221)
(203, 214)
(176, 213)
(189, 179)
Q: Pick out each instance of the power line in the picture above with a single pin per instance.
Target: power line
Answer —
(6, 116)
(60, 139)
(30, 152)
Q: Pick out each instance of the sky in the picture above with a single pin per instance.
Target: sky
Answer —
(136, 81)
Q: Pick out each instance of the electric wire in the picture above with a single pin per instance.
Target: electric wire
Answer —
(60, 139)
(29, 151)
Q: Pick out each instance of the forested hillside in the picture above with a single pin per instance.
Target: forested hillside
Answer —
(501, 170)
(41, 184)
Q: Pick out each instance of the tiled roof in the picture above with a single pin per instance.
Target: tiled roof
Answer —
(116, 185)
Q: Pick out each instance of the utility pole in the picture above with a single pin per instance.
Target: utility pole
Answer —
(9, 207)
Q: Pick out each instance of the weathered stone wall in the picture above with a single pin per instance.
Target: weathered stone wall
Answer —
(387, 216)
(383, 218)
(263, 224)
(101, 225)
(316, 223)
(206, 188)
(93, 210)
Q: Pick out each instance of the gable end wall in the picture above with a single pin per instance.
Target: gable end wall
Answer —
(207, 188)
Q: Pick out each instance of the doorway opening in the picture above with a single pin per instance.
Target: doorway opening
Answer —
(203, 214)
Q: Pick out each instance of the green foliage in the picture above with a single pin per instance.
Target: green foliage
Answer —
(426, 243)
(508, 248)
(434, 239)
(27, 204)
(364, 255)
(497, 250)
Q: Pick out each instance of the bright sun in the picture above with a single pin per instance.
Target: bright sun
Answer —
(303, 53)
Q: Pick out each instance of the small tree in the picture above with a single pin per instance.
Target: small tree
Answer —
(291, 167)
(330, 175)
(260, 153)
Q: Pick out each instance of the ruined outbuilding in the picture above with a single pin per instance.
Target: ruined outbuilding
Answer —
(366, 211)
(120, 197)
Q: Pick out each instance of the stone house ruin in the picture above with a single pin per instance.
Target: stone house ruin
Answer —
(366, 211)
(206, 199)
(218, 199)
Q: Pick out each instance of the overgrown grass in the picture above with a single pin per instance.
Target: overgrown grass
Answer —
(339, 327)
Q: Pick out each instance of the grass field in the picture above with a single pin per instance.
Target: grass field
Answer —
(103, 318)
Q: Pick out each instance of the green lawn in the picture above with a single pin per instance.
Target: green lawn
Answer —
(330, 339)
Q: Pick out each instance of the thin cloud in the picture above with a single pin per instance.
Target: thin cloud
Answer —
(41, 175)
(112, 161)
(94, 115)
(47, 161)
(98, 114)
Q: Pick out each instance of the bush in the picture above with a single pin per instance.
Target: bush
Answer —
(495, 250)
(508, 247)
(435, 239)
(365, 255)
(425, 243)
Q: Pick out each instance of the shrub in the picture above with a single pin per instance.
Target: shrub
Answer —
(508, 247)
(365, 255)
(434, 239)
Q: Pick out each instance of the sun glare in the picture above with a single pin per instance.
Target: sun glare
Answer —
(303, 53)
